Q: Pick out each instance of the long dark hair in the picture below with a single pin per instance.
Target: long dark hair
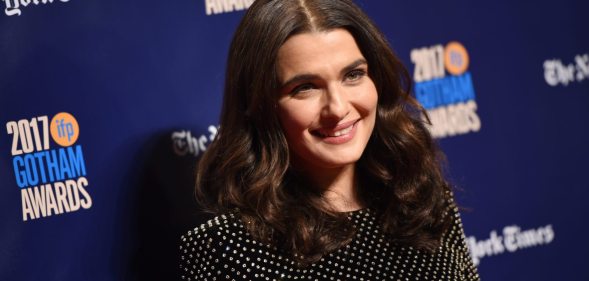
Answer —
(247, 166)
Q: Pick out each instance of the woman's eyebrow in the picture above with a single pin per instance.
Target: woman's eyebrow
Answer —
(310, 76)
(353, 65)
(298, 78)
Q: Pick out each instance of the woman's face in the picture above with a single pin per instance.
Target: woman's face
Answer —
(327, 103)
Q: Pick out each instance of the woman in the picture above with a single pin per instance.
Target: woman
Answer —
(322, 169)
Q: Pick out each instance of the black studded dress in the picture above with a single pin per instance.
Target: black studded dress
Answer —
(222, 249)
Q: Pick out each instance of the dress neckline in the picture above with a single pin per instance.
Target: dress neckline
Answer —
(357, 212)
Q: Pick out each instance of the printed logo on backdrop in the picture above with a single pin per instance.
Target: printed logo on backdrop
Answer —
(512, 239)
(557, 73)
(443, 85)
(51, 176)
(185, 143)
(215, 7)
(13, 7)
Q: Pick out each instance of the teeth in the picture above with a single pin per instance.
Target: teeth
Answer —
(336, 134)
(343, 132)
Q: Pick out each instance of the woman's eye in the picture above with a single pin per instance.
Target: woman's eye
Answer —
(355, 74)
(302, 88)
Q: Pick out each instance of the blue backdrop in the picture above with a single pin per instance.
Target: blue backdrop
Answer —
(106, 105)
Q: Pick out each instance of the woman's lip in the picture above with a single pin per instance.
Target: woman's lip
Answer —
(332, 131)
(341, 139)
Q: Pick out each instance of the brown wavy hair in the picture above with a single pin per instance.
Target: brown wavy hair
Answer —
(247, 166)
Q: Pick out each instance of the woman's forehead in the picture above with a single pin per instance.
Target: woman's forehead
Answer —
(315, 52)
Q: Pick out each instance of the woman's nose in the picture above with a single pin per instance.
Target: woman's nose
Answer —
(336, 105)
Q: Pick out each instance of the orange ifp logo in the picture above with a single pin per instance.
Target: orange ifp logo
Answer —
(64, 129)
(455, 58)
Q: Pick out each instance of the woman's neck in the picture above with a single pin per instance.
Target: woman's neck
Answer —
(338, 186)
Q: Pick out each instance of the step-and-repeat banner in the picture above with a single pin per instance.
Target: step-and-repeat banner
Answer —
(106, 105)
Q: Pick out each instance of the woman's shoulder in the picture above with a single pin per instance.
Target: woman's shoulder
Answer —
(454, 240)
(215, 228)
(221, 220)
(222, 249)
(202, 247)
(455, 231)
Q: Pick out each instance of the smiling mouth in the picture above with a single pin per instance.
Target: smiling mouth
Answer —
(337, 131)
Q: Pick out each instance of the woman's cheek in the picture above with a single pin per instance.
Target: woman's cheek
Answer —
(294, 118)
